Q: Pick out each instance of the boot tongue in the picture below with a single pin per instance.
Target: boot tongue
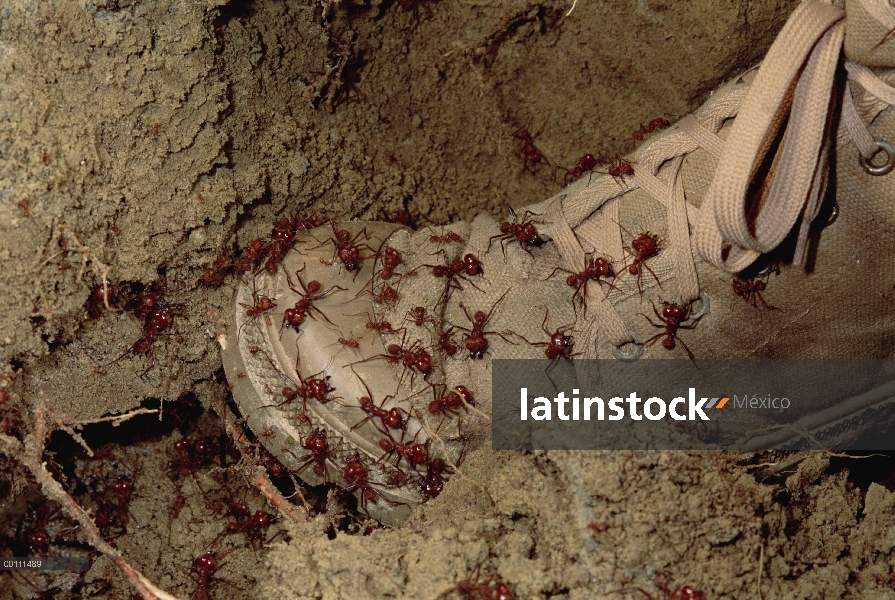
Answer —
(870, 33)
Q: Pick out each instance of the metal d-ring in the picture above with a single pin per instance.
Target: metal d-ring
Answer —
(705, 306)
(883, 169)
(634, 354)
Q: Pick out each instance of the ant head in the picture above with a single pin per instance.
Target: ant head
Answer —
(319, 388)
(423, 362)
(343, 235)
(394, 349)
(480, 317)
(465, 394)
(673, 311)
(527, 233)
(472, 265)
(313, 287)
(206, 563)
(283, 235)
(506, 227)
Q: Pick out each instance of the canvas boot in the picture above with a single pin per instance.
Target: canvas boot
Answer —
(760, 226)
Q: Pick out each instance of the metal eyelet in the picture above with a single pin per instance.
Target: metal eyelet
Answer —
(636, 353)
(705, 306)
(834, 214)
(883, 169)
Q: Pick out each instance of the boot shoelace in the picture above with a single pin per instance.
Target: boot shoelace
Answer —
(793, 87)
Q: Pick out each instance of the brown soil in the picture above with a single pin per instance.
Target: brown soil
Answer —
(143, 140)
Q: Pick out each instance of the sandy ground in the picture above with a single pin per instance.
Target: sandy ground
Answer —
(141, 141)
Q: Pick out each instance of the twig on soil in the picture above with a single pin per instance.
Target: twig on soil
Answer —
(30, 454)
(118, 419)
(255, 470)
(87, 256)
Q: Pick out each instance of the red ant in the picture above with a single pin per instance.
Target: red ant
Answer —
(492, 588)
(318, 447)
(448, 238)
(432, 483)
(414, 454)
(585, 164)
(464, 268)
(378, 326)
(642, 248)
(349, 342)
(393, 417)
(194, 455)
(357, 476)
(560, 344)
(619, 168)
(255, 253)
(750, 290)
(596, 269)
(100, 295)
(347, 249)
(654, 125)
(253, 526)
(445, 340)
(419, 317)
(205, 567)
(214, 274)
(414, 358)
(260, 304)
(525, 233)
(530, 152)
(157, 319)
(448, 404)
(391, 259)
(476, 340)
(315, 388)
(387, 295)
(309, 293)
(670, 320)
